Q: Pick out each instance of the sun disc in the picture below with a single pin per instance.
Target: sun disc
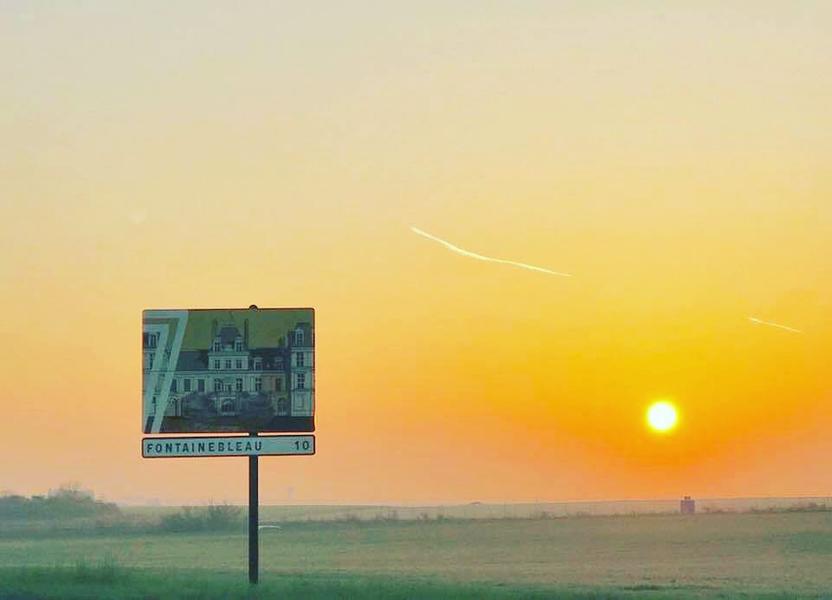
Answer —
(662, 416)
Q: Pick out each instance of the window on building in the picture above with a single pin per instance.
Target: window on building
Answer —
(217, 345)
(238, 345)
(173, 386)
(200, 385)
(258, 364)
(282, 406)
(239, 384)
(301, 381)
(278, 384)
(239, 363)
(150, 360)
(186, 385)
(227, 387)
(217, 385)
(228, 407)
(258, 384)
(299, 359)
(228, 364)
(216, 365)
(298, 337)
(150, 340)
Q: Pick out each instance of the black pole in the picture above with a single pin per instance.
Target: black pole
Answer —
(253, 518)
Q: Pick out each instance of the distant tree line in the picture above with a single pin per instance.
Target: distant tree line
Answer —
(66, 501)
(216, 517)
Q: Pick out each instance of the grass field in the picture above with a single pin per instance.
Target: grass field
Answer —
(121, 584)
(776, 555)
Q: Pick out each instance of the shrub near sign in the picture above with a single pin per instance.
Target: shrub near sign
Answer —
(226, 371)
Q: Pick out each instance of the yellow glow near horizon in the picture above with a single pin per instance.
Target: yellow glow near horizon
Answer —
(662, 416)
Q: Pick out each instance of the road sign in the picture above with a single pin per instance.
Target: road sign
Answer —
(228, 370)
(262, 445)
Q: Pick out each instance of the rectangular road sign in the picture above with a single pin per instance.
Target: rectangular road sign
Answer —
(228, 371)
(263, 445)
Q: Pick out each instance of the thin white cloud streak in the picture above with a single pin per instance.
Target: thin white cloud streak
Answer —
(476, 256)
(757, 321)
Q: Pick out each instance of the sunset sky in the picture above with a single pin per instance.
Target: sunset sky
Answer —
(676, 159)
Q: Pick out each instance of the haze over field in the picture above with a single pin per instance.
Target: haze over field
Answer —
(676, 159)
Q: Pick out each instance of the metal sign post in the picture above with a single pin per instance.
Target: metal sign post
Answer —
(253, 520)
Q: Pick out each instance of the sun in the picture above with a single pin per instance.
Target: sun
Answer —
(662, 416)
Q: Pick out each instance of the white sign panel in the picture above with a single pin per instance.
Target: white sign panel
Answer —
(279, 445)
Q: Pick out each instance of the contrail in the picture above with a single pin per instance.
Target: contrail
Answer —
(501, 261)
(770, 324)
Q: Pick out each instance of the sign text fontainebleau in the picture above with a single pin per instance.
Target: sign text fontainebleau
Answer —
(274, 445)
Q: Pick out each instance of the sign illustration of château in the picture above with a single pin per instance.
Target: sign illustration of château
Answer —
(231, 371)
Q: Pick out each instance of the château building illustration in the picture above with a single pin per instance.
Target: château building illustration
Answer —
(233, 384)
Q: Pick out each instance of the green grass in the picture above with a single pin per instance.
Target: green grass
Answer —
(108, 581)
(772, 555)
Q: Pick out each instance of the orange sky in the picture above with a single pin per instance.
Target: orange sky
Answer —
(675, 160)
